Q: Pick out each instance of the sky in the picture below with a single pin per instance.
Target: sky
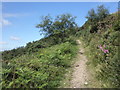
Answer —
(20, 18)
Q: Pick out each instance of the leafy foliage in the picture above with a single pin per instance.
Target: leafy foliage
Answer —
(106, 64)
(117, 25)
(62, 25)
(102, 12)
(97, 15)
(92, 16)
(56, 31)
(43, 63)
(43, 69)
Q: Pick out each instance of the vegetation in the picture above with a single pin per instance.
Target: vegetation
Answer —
(57, 31)
(42, 69)
(61, 27)
(43, 63)
(103, 49)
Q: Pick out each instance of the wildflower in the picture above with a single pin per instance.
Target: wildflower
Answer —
(101, 47)
(104, 50)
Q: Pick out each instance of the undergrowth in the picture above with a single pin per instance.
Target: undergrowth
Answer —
(44, 69)
(103, 52)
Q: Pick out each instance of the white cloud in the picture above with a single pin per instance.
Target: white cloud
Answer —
(14, 38)
(4, 22)
(8, 15)
(3, 43)
(0, 24)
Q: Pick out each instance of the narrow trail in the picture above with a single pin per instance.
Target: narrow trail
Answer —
(80, 75)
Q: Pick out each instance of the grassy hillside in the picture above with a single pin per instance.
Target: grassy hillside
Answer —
(30, 47)
(105, 64)
(43, 63)
(44, 69)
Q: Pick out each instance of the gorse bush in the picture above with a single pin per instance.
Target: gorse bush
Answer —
(43, 69)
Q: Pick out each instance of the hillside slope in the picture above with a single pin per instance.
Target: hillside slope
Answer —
(44, 69)
(101, 43)
(100, 69)
(44, 63)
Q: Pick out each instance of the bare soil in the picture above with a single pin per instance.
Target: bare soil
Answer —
(80, 75)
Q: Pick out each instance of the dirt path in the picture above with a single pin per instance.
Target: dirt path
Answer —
(80, 75)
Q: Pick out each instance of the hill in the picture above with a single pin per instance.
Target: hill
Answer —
(102, 45)
(43, 63)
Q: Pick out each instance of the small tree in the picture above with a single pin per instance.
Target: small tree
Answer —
(92, 19)
(62, 25)
(92, 16)
(46, 25)
(102, 12)
(65, 24)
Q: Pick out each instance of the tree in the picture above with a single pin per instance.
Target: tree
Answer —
(92, 16)
(62, 26)
(92, 19)
(102, 12)
(46, 25)
(65, 24)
